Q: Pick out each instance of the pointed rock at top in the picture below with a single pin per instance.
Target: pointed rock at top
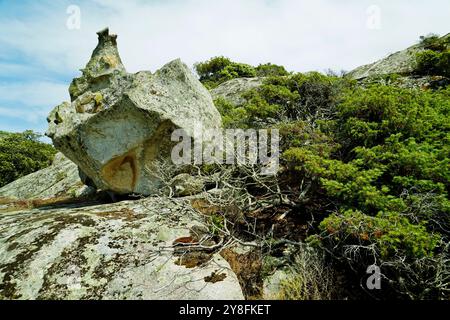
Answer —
(104, 36)
(118, 127)
(105, 60)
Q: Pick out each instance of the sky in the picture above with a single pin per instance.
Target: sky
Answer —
(43, 44)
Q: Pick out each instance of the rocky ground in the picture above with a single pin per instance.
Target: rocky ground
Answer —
(126, 250)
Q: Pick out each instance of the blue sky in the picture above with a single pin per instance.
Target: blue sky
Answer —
(39, 54)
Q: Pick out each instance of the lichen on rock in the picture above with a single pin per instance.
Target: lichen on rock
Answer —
(110, 251)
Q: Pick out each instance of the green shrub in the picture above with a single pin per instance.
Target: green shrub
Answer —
(413, 261)
(220, 69)
(390, 140)
(434, 42)
(431, 62)
(371, 166)
(394, 235)
(232, 116)
(383, 163)
(22, 154)
(367, 116)
(270, 70)
(310, 96)
(435, 59)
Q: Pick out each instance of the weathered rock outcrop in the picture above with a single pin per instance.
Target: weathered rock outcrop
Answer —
(402, 63)
(233, 89)
(118, 125)
(127, 250)
(58, 180)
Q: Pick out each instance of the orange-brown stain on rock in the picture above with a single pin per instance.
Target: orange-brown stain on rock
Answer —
(122, 172)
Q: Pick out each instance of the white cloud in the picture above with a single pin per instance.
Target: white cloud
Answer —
(302, 35)
(15, 69)
(33, 116)
(26, 105)
(34, 94)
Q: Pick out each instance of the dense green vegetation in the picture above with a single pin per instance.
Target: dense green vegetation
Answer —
(370, 165)
(21, 154)
(220, 69)
(435, 59)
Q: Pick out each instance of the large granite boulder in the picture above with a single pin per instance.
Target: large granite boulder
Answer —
(119, 125)
(141, 249)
